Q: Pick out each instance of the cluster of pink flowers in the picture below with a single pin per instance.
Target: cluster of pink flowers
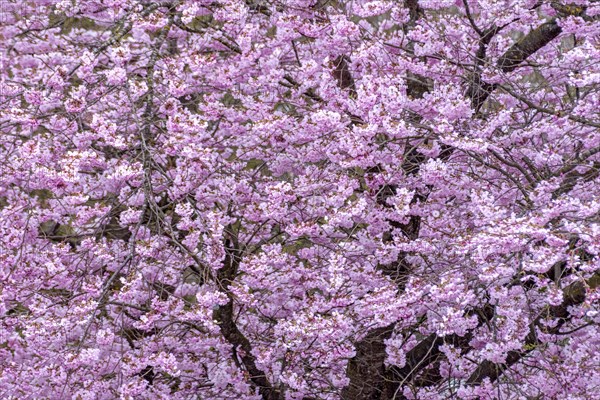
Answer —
(300, 199)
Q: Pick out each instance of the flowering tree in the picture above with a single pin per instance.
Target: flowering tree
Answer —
(305, 199)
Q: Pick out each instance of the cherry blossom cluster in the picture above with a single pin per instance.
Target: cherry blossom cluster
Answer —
(299, 199)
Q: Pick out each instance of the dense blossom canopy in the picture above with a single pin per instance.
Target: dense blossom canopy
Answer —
(299, 199)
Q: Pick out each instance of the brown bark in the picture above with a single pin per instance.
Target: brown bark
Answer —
(536, 39)
(342, 74)
(573, 295)
(531, 43)
(366, 370)
(224, 315)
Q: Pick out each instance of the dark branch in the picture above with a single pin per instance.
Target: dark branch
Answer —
(573, 295)
(531, 43)
(342, 74)
(224, 315)
(536, 39)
